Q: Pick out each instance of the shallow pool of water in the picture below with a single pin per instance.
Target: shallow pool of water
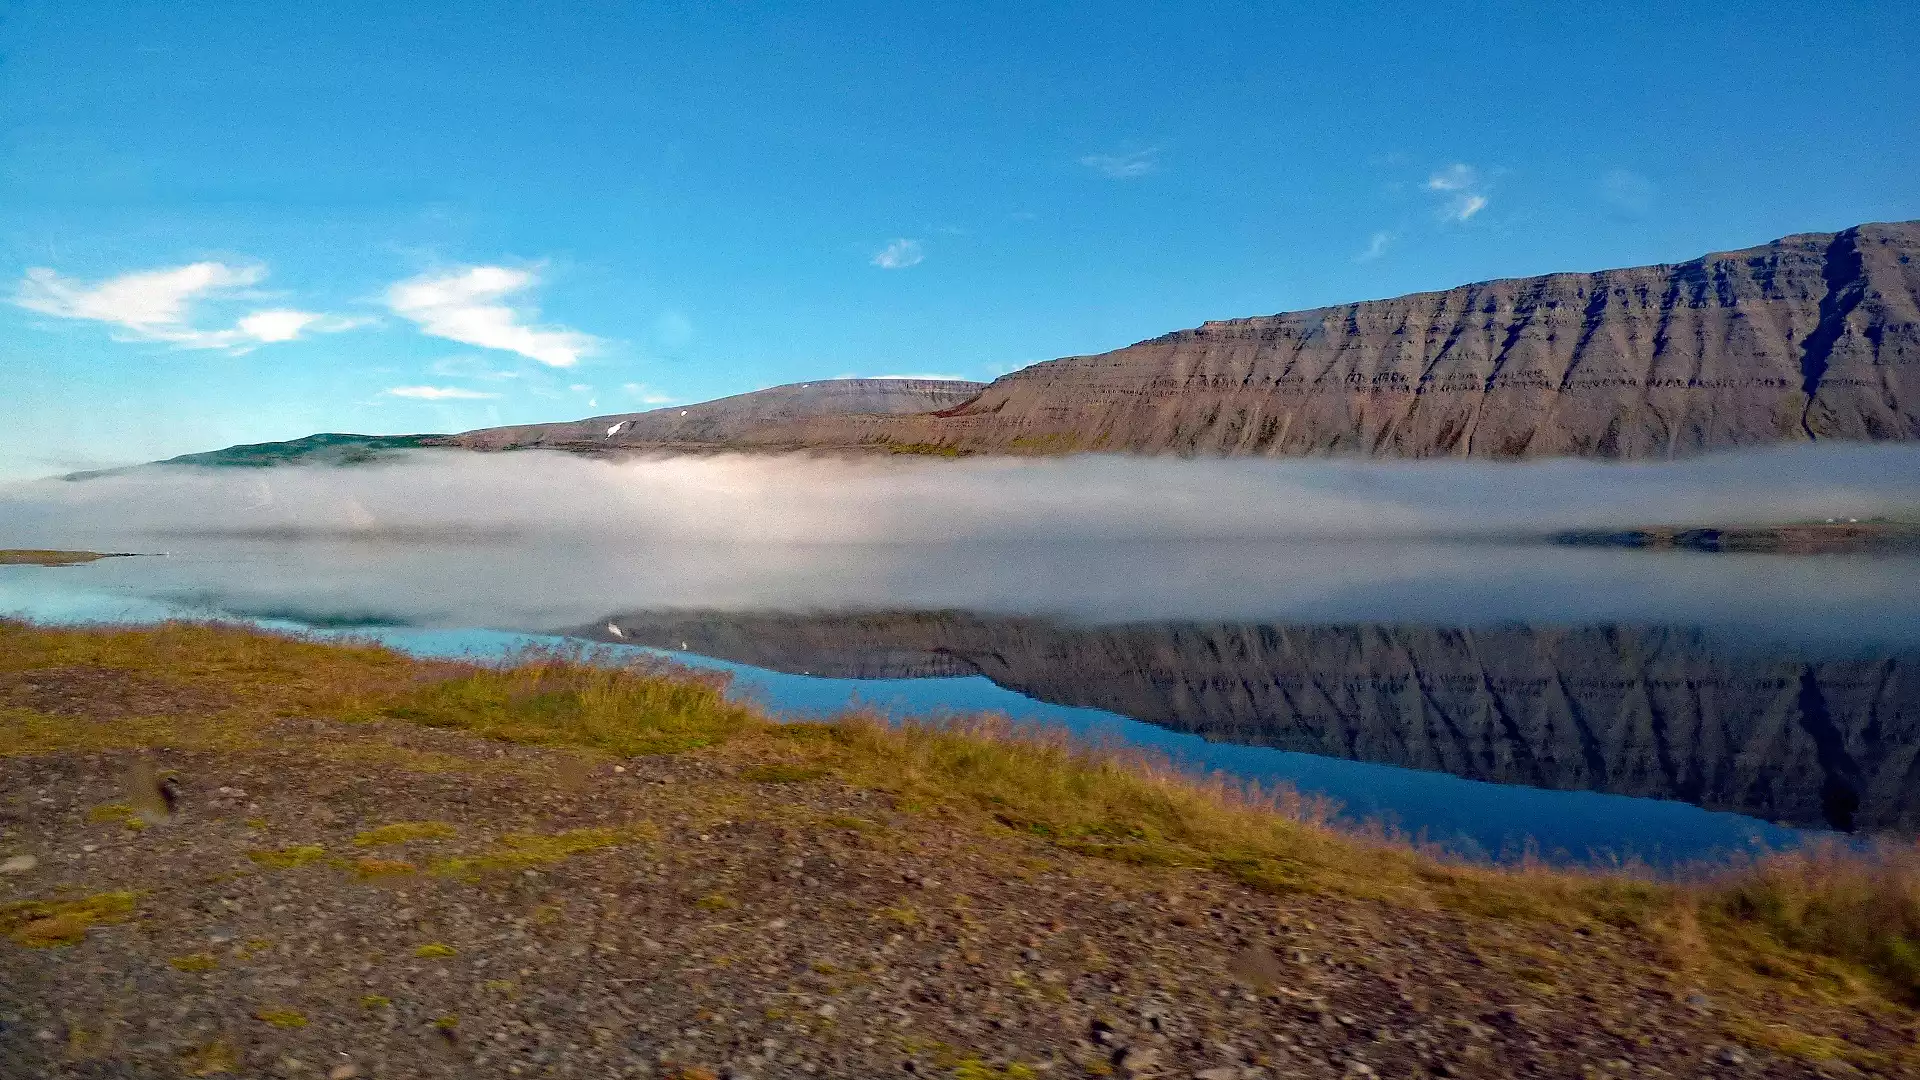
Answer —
(1492, 698)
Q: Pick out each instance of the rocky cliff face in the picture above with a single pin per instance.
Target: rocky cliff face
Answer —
(1815, 336)
(1634, 711)
(776, 415)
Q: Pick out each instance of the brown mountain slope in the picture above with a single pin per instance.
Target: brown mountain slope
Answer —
(1815, 336)
(727, 420)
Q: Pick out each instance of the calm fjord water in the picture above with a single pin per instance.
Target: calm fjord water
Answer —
(1490, 696)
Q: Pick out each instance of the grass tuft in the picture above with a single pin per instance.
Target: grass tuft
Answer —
(562, 698)
(368, 869)
(194, 962)
(975, 1069)
(47, 923)
(285, 1019)
(435, 951)
(216, 1058)
(536, 851)
(782, 773)
(117, 814)
(290, 857)
(1862, 908)
(401, 832)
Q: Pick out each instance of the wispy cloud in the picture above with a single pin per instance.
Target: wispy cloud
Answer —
(646, 395)
(1463, 189)
(467, 306)
(1376, 246)
(1627, 190)
(899, 254)
(935, 378)
(440, 393)
(156, 305)
(1124, 166)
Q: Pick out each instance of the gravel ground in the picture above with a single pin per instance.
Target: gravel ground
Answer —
(684, 919)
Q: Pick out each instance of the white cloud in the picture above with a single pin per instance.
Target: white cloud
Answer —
(899, 255)
(1124, 166)
(1466, 206)
(156, 305)
(1454, 178)
(279, 324)
(156, 298)
(647, 395)
(1376, 246)
(935, 378)
(464, 305)
(439, 393)
(1464, 188)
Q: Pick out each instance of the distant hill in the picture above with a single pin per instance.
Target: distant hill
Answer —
(721, 423)
(325, 449)
(780, 413)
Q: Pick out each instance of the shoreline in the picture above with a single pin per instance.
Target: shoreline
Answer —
(965, 897)
(1805, 538)
(48, 557)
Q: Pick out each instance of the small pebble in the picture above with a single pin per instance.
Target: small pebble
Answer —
(19, 864)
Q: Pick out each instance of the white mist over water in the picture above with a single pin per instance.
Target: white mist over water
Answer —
(455, 495)
(548, 542)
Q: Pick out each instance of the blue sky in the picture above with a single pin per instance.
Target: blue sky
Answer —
(240, 221)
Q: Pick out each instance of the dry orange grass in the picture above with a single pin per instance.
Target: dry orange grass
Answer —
(1857, 905)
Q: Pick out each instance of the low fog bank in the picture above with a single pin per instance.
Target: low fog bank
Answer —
(453, 495)
(1832, 605)
(540, 542)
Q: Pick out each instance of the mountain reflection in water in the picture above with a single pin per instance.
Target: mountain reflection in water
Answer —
(1642, 711)
(1776, 687)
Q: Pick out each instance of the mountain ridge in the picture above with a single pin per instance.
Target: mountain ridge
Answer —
(1814, 336)
(1811, 336)
(722, 421)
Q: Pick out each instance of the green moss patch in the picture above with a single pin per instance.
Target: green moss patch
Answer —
(47, 923)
